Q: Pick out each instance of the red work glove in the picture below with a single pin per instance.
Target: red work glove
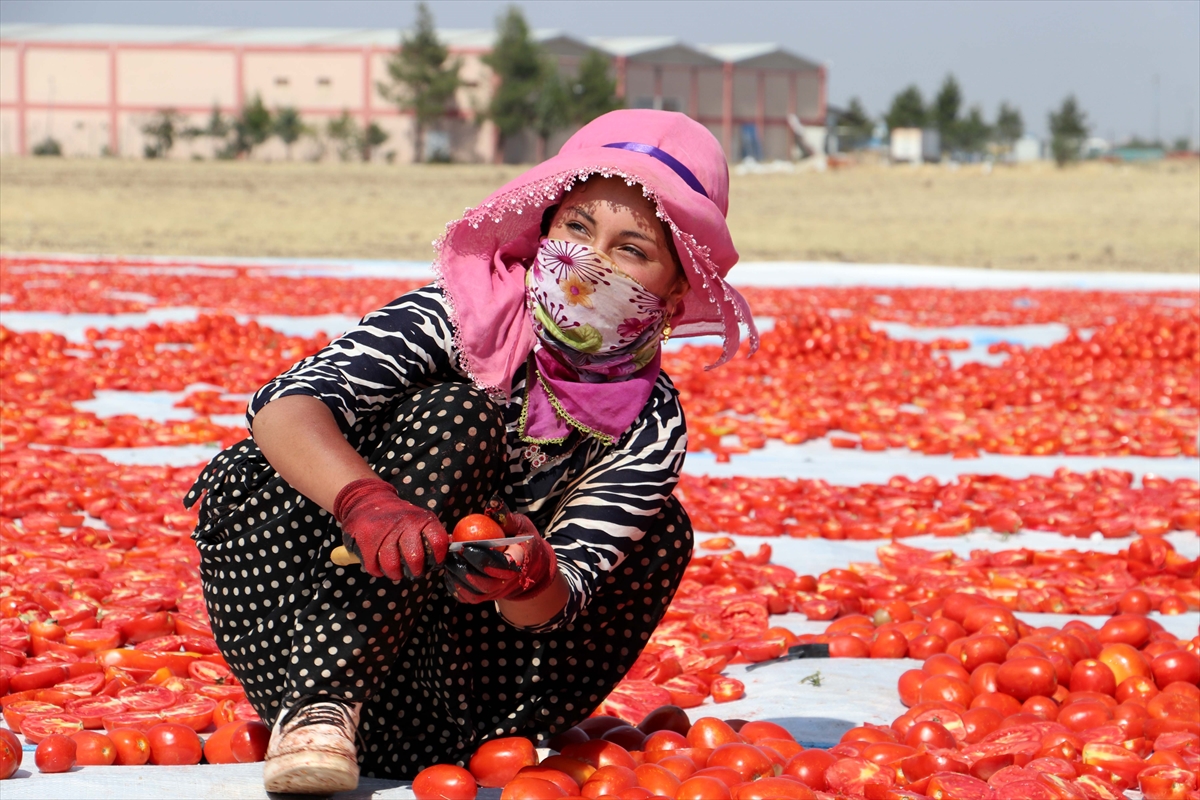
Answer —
(478, 574)
(390, 536)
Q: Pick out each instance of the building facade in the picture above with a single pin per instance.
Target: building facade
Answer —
(92, 88)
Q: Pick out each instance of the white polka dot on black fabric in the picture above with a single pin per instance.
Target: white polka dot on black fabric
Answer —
(422, 662)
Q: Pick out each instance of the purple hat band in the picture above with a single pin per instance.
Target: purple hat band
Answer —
(675, 164)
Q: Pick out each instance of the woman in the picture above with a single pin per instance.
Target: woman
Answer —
(530, 369)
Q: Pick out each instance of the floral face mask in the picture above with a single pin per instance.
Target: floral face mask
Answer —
(591, 314)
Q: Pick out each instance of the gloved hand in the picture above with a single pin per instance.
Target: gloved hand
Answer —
(391, 537)
(478, 574)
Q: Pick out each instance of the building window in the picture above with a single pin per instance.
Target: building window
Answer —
(282, 81)
(672, 104)
(324, 81)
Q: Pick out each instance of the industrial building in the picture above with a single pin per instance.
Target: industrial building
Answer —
(92, 88)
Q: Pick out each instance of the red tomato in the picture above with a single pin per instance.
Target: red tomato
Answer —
(476, 527)
(1166, 783)
(94, 749)
(10, 754)
(930, 734)
(559, 778)
(55, 753)
(774, 788)
(444, 782)
(725, 689)
(238, 742)
(747, 760)
(1125, 661)
(1091, 675)
(495, 762)
(37, 727)
(844, 646)
(1028, 677)
(711, 733)
(666, 718)
(578, 771)
(1176, 665)
(527, 788)
(810, 767)
(702, 787)
(148, 626)
(174, 744)
(630, 701)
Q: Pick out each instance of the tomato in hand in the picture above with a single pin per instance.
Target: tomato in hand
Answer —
(475, 528)
(55, 753)
(444, 782)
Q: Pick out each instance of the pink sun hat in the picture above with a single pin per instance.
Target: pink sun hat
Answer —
(680, 167)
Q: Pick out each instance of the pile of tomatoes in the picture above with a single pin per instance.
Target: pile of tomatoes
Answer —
(1125, 381)
(1132, 388)
(124, 286)
(1077, 735)
(1074, 504)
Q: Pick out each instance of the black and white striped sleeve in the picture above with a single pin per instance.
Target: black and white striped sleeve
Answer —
(409, 342)
(610, 506)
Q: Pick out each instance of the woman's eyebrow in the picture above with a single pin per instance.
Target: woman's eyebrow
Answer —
(630, 234)
(582, 213)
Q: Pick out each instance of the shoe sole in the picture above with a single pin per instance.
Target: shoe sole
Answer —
(310, 773)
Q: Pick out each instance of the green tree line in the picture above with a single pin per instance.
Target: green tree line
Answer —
(966, 131)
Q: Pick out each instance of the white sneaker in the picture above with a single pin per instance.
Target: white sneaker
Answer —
(312, 749)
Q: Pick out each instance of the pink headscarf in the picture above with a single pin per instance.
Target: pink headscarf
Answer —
(680, 166)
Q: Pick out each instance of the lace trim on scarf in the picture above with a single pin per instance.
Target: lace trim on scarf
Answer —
(545, 192)
(604, 438)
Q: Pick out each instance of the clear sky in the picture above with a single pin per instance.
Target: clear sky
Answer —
(1030, 53)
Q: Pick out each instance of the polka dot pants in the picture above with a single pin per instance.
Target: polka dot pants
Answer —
(437, 677)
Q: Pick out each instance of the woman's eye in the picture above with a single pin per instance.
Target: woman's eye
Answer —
(577, 227)
(633, 251)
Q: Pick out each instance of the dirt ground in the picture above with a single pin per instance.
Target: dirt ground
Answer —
(1091, 217)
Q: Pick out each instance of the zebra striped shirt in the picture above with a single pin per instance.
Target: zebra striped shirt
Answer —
(592, 501)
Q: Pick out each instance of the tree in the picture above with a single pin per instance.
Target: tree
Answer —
(1009, 125)
(289, 127)
(855, 127)
(907, 111)
(351, 140)
(552, 109)
(1068, 131)
(593, 93)
(945, 112)
(972, 132)
(216, 129)
(343, 131)
(369, 138)
(517, 61)
(252, 127)
(162, 130)
(423, 81)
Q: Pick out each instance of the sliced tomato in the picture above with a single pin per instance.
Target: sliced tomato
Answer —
(147, 697)
(93, 710)
(36, 727)
(195, 712)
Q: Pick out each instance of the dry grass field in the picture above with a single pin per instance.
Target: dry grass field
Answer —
(1091, 217)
